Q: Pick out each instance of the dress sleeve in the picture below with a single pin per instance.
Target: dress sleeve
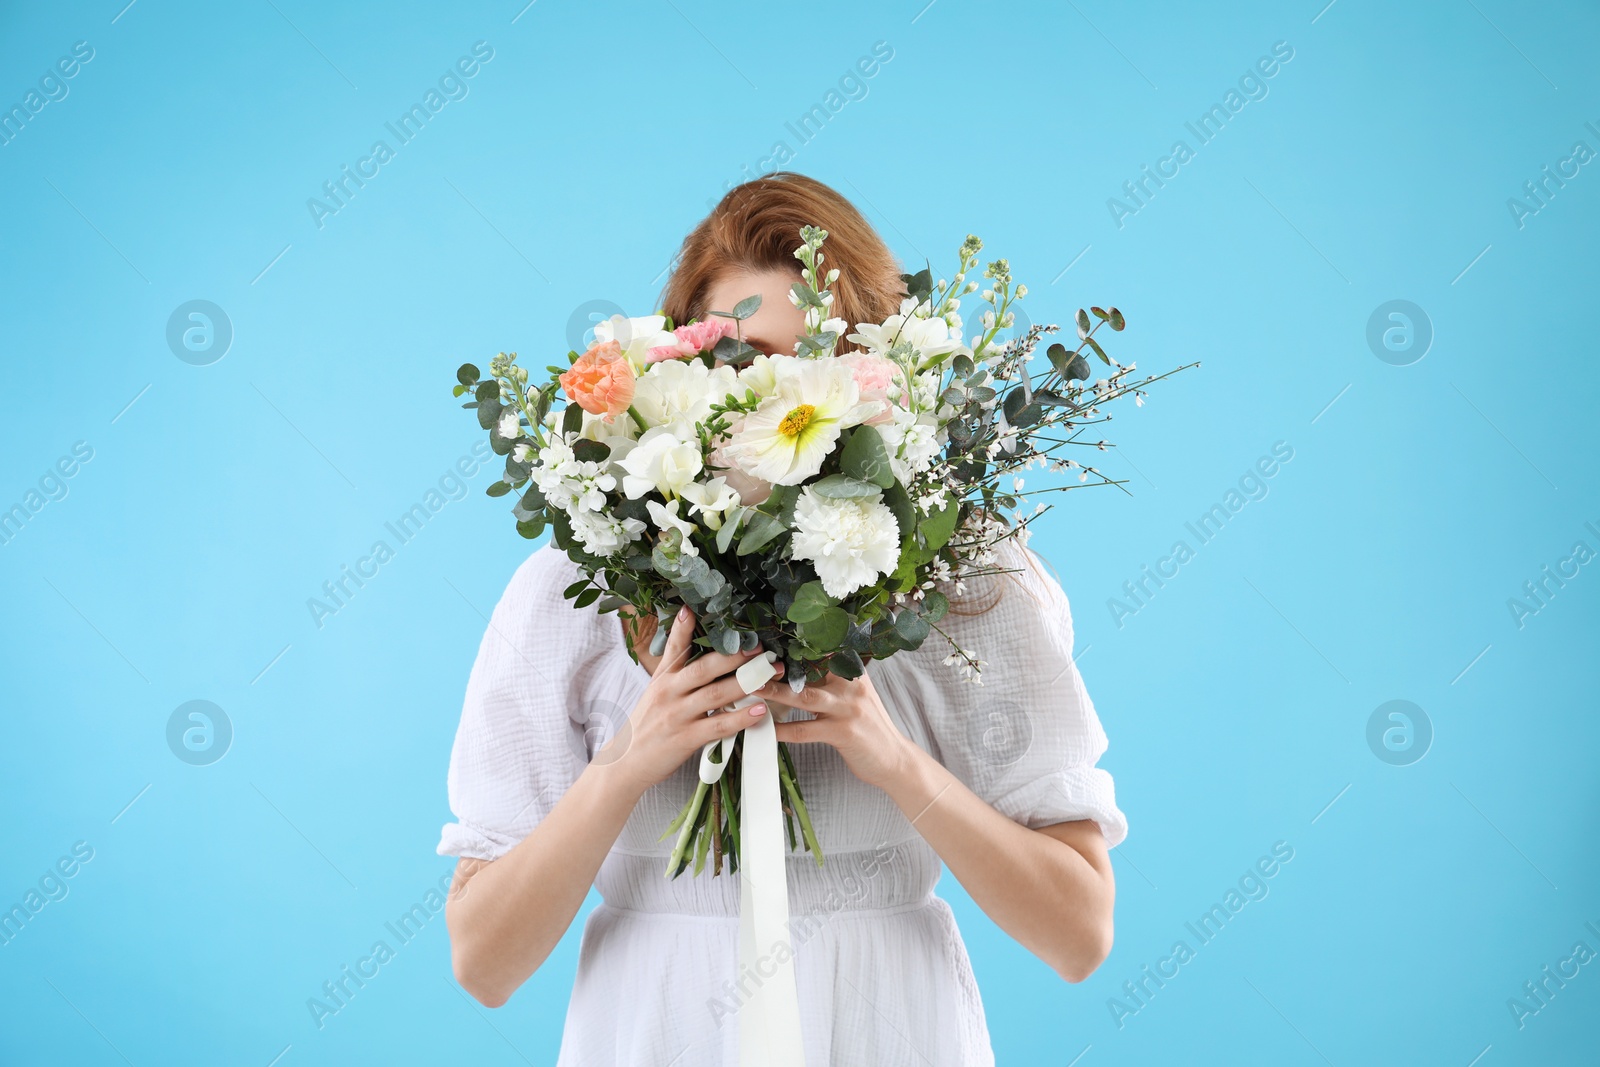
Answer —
(521, 742)
(1027, 738)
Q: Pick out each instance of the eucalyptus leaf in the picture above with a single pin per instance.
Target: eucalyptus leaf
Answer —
(899, 502)
(747, 307)
(810, 601)
(758, 532)
(939, 526)
(591, 451)
(912, 628)
(572, 419)
(846, 663)
(827, 631)
(1060, 358)
(866, 457)
(844, 487)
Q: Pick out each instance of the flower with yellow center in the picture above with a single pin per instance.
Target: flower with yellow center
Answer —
(788, 436)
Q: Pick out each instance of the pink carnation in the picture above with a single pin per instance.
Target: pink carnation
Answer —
(692, 339)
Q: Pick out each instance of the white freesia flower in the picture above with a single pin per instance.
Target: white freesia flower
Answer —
(678, 390)
(932, 338)
(665, 516)
(603, 534)
(849, 542)
(711, 501)
(665, 460)
(636, 336)
(761, 374)
(785, 440)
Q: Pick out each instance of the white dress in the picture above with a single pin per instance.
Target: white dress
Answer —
(881, 971)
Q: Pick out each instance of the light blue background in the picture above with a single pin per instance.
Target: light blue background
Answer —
(1379, 566)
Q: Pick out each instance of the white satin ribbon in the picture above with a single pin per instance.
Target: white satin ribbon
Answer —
(769, 1016)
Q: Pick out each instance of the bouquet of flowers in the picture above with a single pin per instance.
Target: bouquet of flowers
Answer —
(822, 503)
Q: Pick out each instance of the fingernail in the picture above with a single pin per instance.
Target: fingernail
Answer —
(758, 709)
(683, 613)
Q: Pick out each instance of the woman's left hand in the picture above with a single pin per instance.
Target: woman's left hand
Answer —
(849, 716)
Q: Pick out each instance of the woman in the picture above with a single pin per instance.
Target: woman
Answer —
(571, 758)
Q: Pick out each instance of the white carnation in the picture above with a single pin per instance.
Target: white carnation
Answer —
(849, 542)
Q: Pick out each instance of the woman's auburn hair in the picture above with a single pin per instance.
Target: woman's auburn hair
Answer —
(756, 227)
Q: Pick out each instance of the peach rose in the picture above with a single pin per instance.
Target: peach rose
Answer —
(600, 382)
(694, 338)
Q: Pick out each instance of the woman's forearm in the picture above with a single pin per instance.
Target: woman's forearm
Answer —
(505, 917)
(1051, 889)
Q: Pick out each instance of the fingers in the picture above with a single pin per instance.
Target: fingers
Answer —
(713, 665)
(676, 654)
(805, 731)
(814, 698)
(727, 723)
(724, 690)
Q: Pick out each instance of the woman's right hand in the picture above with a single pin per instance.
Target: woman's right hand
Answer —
(670, 724)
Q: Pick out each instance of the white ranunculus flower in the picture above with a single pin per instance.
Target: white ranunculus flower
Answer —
(677, 390)
(666, 459)
(786, 438)
(597, 428)
(849, 542)
(762, 372)
(711, 501)
(666, 518)
(636, 336)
